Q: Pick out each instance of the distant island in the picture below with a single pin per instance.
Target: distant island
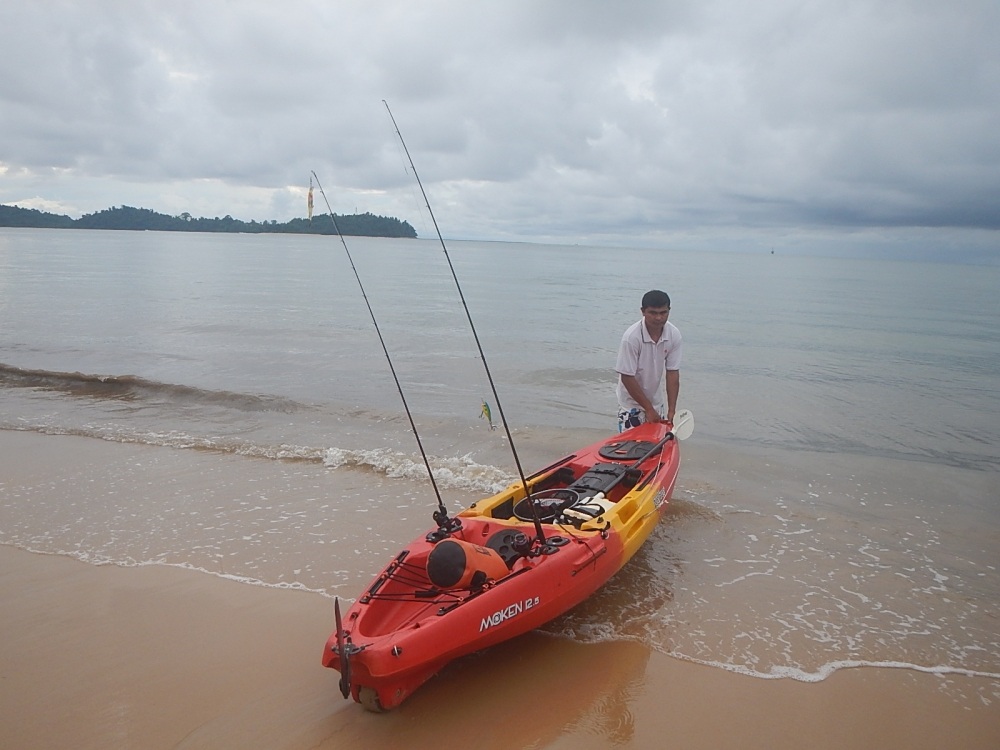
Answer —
(137, 219)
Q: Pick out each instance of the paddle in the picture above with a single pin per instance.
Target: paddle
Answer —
(683, 426)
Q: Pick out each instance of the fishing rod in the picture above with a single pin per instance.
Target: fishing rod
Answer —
(445, 524)
(489, 376)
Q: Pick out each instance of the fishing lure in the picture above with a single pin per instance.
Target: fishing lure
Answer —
(486, 414)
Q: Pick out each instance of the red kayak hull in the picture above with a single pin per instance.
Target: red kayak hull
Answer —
(405, 627)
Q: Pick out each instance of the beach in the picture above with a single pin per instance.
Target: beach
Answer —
(112, 657)
(156, 656)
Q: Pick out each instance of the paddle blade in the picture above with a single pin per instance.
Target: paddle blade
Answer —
(683, 426)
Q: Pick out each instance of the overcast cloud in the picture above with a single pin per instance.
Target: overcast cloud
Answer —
(841, 123)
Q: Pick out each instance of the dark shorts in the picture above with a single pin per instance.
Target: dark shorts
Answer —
(628, 418)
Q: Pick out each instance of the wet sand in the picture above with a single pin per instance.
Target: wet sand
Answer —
(160, 657)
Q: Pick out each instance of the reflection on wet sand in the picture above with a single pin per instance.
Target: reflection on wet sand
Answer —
(523, 693)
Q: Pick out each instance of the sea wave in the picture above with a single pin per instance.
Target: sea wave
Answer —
(135, 388)
(451, 472)
(459, 472)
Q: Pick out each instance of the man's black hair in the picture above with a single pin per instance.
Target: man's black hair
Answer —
(655, 298)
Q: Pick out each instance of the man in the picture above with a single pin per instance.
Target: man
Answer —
(650, 350)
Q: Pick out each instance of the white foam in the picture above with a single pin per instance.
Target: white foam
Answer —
(98, 560)
(824, 671)
(453, 472)
(605, 632)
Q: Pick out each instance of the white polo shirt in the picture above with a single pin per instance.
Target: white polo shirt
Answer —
(647, 360)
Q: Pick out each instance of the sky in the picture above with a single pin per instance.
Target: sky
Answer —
(855, 126)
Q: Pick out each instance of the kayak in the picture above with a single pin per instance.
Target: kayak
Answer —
(506, 565)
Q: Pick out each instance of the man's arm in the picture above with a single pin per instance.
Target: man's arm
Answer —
(636, 392)
(673, 388)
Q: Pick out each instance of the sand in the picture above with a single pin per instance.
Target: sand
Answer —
(161, 657)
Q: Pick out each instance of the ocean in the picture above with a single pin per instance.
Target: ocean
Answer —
(222, 403)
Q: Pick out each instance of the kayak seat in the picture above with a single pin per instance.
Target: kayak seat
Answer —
(601, 478)
(626, 450)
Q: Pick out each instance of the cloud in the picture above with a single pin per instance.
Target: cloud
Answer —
(635, 123)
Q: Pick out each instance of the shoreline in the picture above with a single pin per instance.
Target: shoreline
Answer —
(160, 656)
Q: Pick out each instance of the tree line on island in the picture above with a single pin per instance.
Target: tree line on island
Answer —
(127, 217)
